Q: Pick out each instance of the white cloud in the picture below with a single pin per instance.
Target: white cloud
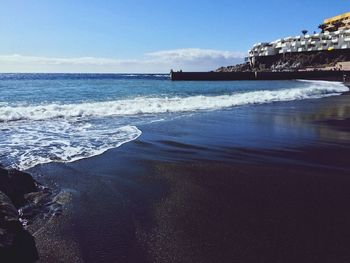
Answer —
(195, 53)
(190, 59)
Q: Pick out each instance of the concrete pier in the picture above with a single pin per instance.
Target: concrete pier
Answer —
(331, 75)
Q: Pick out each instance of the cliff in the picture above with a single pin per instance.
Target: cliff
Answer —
(293, 61)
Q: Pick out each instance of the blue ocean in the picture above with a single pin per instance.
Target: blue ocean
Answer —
(67, 117)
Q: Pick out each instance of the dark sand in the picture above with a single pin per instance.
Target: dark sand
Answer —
(268, 183)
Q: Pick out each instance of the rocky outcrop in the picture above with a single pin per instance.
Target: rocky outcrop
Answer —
(16, 244)
(292, 61)
(245, 67)
(16, 185)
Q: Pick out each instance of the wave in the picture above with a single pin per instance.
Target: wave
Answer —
(27, 146)
(157, 105)
(161, 75)
(146, 75)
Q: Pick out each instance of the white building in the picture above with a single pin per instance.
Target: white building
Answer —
(317, 42)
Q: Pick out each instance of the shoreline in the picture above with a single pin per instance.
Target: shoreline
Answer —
(185, 194)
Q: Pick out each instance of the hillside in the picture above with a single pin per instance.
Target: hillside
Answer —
(294, 61)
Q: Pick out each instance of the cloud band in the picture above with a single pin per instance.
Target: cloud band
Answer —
(190, 59)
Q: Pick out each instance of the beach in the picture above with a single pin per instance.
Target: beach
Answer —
(257, 183)
(186, 132)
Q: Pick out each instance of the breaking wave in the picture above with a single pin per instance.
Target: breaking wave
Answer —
(157, 105)
(26, 146)
(37, 134)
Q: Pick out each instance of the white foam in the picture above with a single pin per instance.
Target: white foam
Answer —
(32, 135)
(156, 105)
(147, 75)
(321, 82)
(161, 75)
(24, 145)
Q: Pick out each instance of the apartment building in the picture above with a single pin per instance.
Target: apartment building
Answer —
(334, 35)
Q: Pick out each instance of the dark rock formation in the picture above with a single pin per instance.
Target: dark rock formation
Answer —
(245, 67)
(16, 244)
(292, 61)
(16, 184)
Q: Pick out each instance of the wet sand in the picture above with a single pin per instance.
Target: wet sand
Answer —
(267, 183)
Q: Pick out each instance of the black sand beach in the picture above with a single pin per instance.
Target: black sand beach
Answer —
(268, 183)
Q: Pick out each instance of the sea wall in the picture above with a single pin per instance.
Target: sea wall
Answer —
(329, 75)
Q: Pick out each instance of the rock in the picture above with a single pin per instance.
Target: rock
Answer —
(8, 219)
(16, 185)
(16, 244)
(36, 203)
(38, 198)
(245, 67)
(63, 197)
(292, 61)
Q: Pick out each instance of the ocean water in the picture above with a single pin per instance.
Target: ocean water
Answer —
(66, 117)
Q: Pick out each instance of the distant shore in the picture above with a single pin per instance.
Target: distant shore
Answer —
(295, 61)
(315, 65)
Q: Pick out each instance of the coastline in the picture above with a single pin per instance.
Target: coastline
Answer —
(226, 155)
(267, 187)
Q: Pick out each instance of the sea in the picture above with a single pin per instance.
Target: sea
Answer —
(63, 118)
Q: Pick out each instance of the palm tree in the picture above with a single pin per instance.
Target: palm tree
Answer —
(304, 32)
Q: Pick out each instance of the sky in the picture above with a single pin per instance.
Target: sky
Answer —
(146, 36)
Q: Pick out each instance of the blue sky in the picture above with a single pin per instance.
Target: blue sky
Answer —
(146, 36)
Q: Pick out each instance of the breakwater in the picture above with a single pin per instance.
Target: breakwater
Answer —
(331, 75)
